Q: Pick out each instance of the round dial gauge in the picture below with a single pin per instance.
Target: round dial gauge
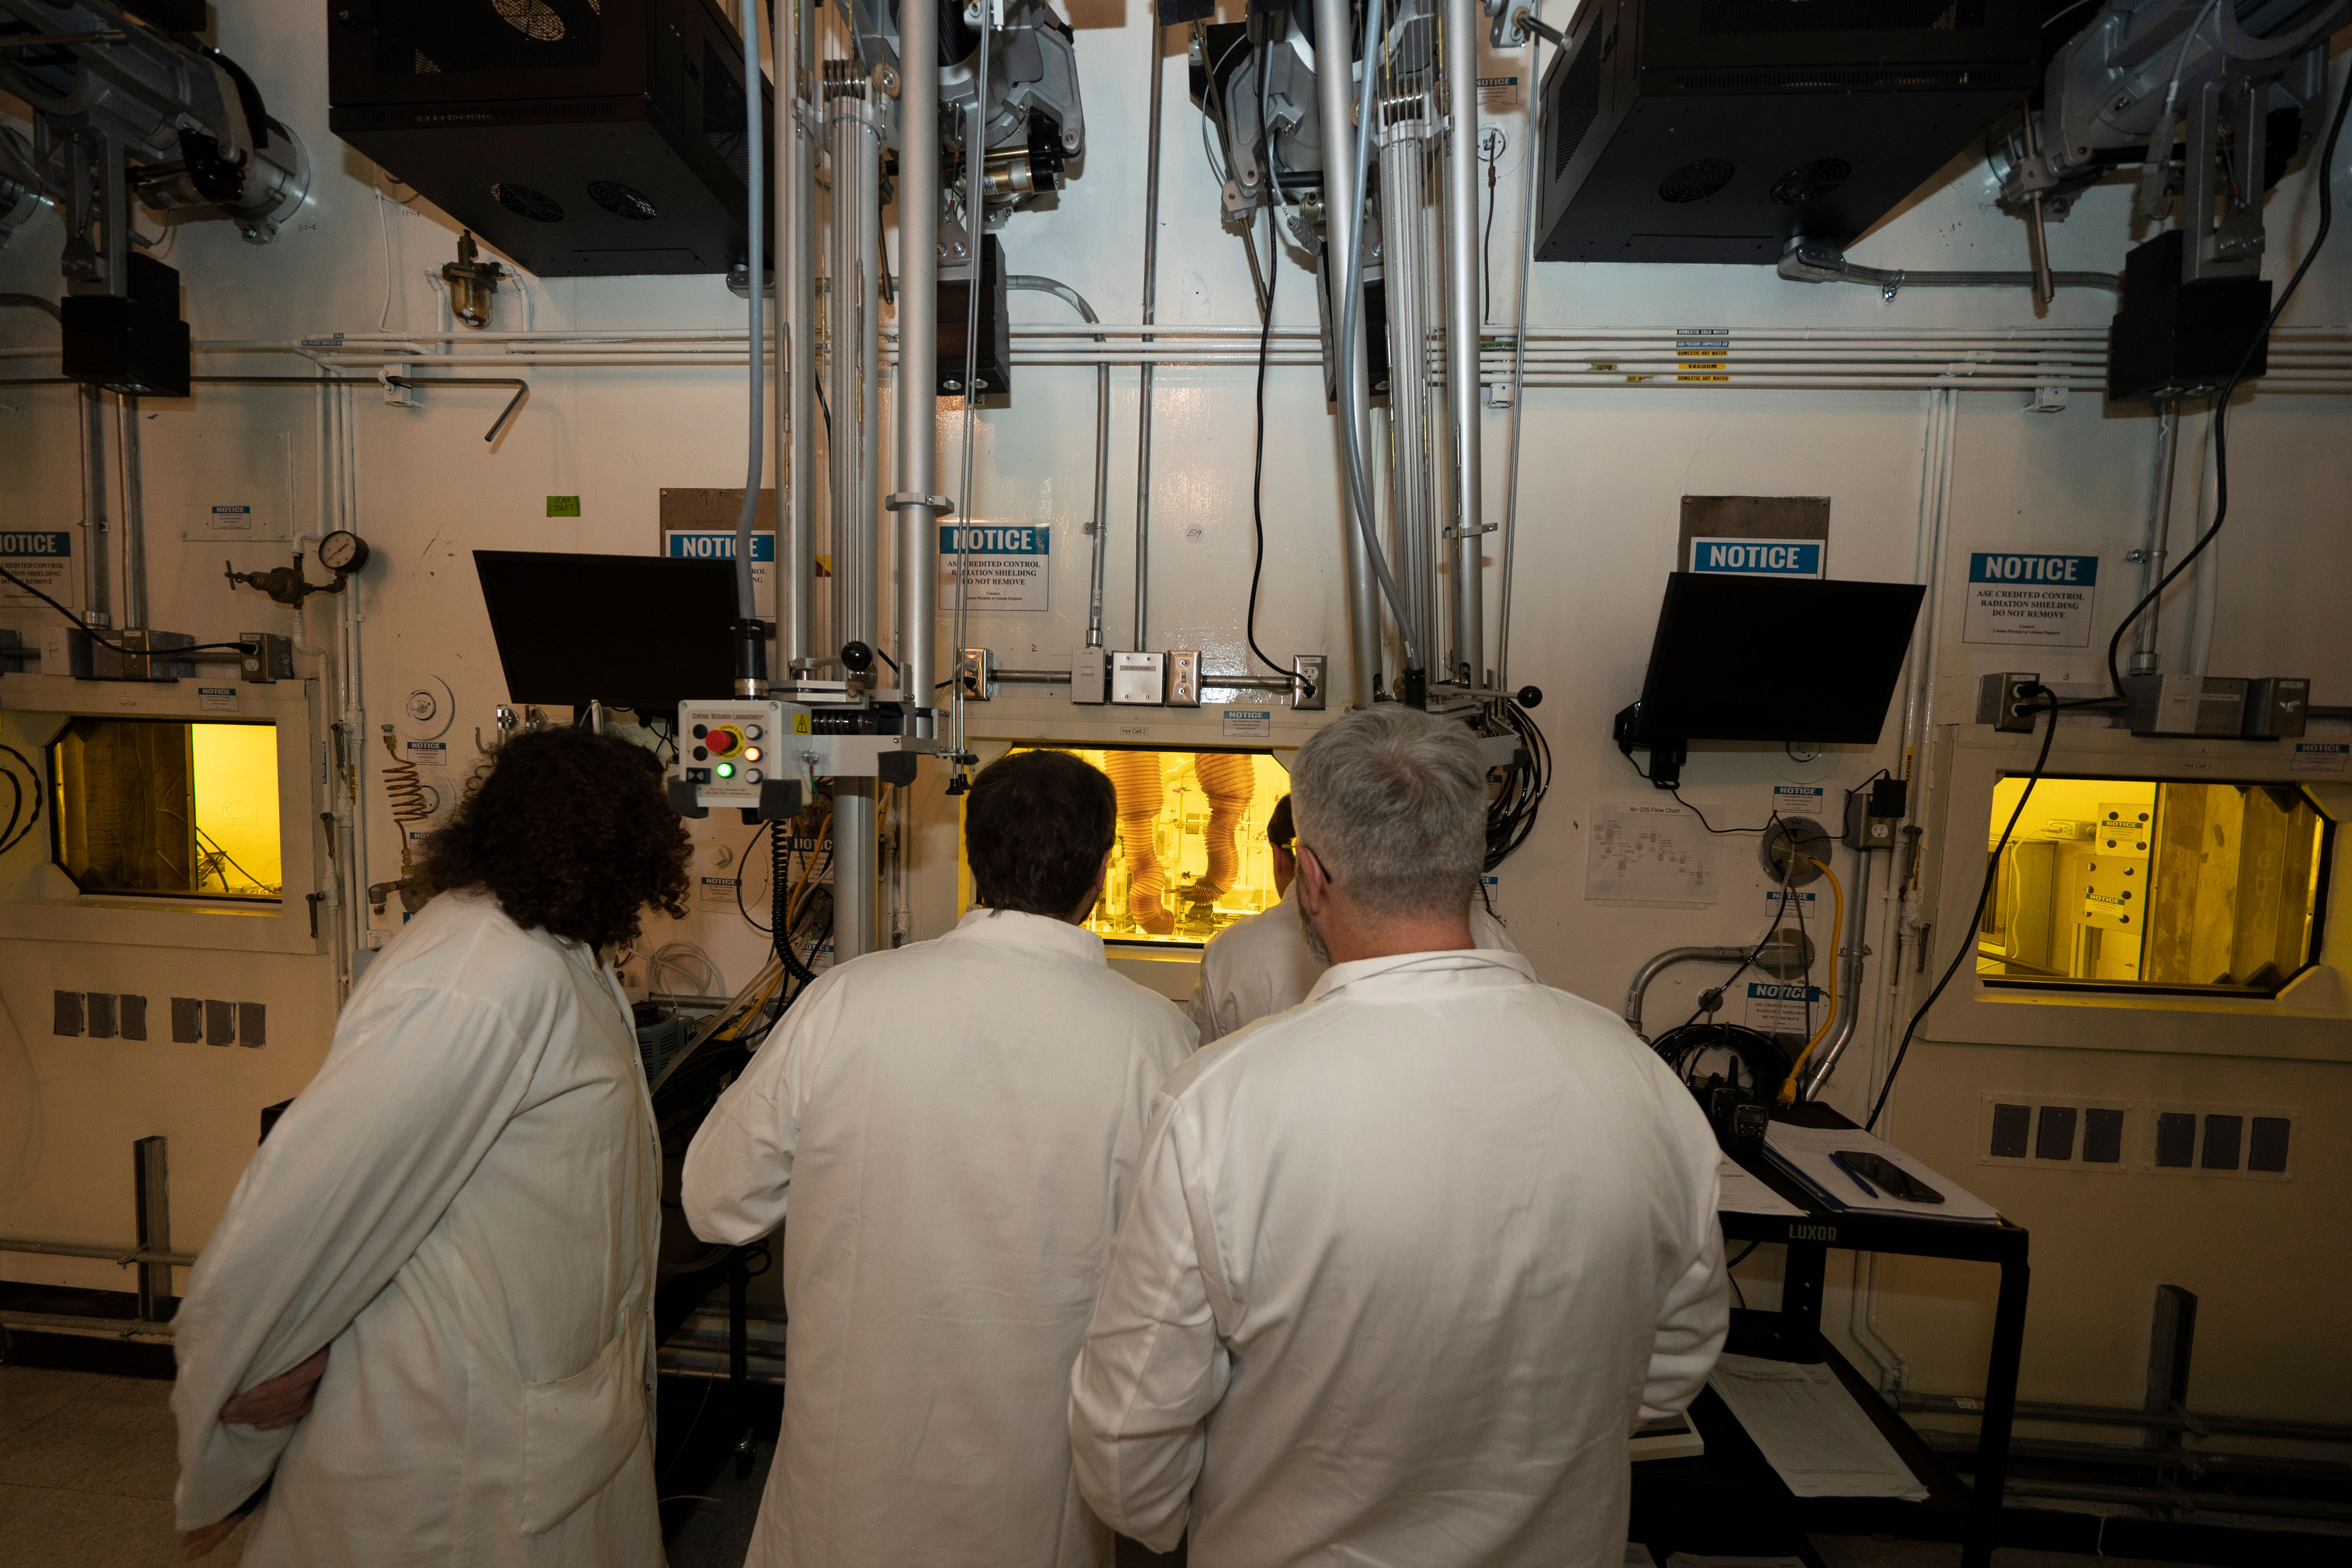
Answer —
(343, 550)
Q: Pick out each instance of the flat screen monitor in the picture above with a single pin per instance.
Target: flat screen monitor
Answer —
(640, 632)
(1762, 658)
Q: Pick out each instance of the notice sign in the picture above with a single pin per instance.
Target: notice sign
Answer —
(1757, 558)
(2318, 756)
(42, 558)
(1782, 1009)
(1011, 565)
(1249, 724)
(2018, 597)
(716, 890)
(718, 544)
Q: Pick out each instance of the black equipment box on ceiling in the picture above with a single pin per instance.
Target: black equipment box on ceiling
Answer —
(1716, 131)
(582, 138)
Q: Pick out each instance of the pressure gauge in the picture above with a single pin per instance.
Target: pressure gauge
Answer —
(342, 551)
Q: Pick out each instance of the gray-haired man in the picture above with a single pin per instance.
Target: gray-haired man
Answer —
(1404, 1264)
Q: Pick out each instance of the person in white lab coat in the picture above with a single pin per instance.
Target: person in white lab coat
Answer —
(1403, 1265)
(953, 1127)
(450, 1237)
(1261, 966)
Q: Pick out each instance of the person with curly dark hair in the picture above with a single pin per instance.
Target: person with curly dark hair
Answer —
(424, 1323)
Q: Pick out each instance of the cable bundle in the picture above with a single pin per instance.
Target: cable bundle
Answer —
(1511, 815)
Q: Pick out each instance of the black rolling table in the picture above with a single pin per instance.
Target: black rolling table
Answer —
(1730, 1500)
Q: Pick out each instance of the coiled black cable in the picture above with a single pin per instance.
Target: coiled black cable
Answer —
(1511, 815)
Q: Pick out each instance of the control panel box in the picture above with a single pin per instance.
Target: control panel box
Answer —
(764, 756)
(726, 750)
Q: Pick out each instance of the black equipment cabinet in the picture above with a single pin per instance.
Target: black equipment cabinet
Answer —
(582, 138)
(1716, 131)
(1730, 1499)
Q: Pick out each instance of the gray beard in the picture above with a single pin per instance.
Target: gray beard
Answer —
(1314, 934)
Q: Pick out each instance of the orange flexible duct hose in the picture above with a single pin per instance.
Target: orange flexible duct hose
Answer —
(1231, 782)
(1135, 775)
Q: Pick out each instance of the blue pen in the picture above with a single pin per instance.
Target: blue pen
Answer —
(1839, 1161)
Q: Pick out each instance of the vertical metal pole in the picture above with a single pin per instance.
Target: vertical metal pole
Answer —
(1462, 313)
(97, 591)
(1102, 506)
(2145, 660)
(796, 440)
(134, 515)
(1151, 312)
(918, 352)
(853, 306)
(1335, 102)
(152, 1189)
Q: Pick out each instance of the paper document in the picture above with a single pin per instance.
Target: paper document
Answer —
(1812, 1430)
(1744, 1194)
(1805, 1152)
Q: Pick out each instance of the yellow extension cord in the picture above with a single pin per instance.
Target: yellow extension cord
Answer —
(1788, 1084)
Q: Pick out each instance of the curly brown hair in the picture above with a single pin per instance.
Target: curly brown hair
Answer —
(570, 831)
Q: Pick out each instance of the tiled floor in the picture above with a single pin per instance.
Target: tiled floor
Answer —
(87, 1465)
(85, 1472)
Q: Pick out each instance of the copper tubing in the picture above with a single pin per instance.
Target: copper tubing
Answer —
(1231, 782)
(1135, 775)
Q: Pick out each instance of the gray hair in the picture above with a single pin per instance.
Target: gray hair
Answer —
(1393, 802)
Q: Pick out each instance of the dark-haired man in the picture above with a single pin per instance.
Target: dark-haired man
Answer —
(952, 1126)
(428, 1307)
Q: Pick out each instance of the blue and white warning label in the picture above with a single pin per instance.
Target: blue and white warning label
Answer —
(719, 544)
(1757, 558)
(2319, 757)
(1793, 1007)
(42, 557)
(2030, 597)
(1011, 565)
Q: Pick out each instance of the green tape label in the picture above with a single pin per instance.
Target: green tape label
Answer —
(563, 506)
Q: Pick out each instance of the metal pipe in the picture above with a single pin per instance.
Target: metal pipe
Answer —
(918, 501)
(2145, 660)
(124, 1256)
(796, 435)
(1032, 283)
(1537, 116)
(1817, 1071)
(1462, 313)
(1666, 960)
(134, 513)
(747, 682)
(1335, 106)
(1151, 312)
(852, 304)
(2173, 1420)
(97, 587)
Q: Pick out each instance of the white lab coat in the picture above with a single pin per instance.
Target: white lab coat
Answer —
(1402, 1267)
(464, 1205)
(955, 1125)
(1259, 967)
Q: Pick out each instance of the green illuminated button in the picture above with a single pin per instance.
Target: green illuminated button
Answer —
(725, 771)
